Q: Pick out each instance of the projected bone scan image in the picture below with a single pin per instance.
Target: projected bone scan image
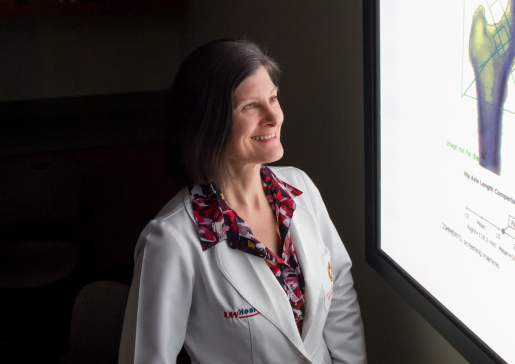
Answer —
(491, 53)
(447, 156)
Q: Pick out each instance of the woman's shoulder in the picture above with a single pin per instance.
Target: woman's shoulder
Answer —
(174, 208)
(175, 214)
(172, 229)
(287, 173)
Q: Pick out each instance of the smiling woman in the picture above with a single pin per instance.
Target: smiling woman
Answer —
(204, 104)
(243, 265)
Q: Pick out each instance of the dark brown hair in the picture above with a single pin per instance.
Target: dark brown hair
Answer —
(201, 107)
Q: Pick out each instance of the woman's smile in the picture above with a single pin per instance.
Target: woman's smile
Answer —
(264, 138)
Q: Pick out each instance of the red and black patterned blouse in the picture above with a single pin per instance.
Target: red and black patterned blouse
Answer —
(216, 221)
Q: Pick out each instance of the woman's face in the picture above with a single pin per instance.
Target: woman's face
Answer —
(257, 120)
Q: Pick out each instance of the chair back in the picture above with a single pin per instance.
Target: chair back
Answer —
(96, 323)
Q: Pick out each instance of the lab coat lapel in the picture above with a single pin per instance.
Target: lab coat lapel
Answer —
(305, 241)
(251, 277)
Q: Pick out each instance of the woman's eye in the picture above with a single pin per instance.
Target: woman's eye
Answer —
(274, 99)
(248, 107)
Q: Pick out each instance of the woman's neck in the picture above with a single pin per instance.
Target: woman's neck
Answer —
(245, 190)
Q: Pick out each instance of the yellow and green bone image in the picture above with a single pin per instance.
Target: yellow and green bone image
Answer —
(491, 52)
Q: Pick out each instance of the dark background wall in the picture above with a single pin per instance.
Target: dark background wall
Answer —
(319, 47)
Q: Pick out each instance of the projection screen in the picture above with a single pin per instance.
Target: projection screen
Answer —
(440, 155)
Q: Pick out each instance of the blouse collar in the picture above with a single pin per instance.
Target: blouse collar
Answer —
(216, 221)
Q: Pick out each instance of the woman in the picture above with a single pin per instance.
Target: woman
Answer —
(244, 265)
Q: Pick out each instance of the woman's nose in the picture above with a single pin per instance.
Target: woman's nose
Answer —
(272, 114)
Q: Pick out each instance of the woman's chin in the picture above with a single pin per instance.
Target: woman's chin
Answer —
(275, 156)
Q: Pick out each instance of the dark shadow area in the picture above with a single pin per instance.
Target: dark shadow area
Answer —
(80, 178)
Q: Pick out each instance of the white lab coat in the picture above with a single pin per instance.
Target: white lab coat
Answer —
(183, 295)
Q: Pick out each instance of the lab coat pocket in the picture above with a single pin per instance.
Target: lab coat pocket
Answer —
(327, 279)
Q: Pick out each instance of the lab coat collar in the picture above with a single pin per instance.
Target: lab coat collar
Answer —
(250, 276)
